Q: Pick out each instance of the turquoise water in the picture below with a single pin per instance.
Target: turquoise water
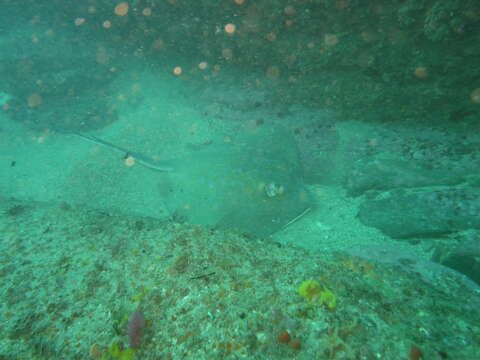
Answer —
(240, 180)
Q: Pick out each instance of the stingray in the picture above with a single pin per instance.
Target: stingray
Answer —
(252, 185)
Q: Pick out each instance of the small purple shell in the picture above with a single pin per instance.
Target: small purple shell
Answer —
(136, 324)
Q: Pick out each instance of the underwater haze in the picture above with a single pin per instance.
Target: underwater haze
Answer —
(240, 179)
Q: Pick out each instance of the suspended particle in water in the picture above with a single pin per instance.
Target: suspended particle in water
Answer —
(475, 96)
(421, 72)
(177, 70)
(289, 10)
(121, 9)
(129, 161)
(230, 29)
(79, 21)
(330, 39)
(34, 100)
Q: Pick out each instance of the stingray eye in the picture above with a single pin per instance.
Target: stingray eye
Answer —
(272, 190)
